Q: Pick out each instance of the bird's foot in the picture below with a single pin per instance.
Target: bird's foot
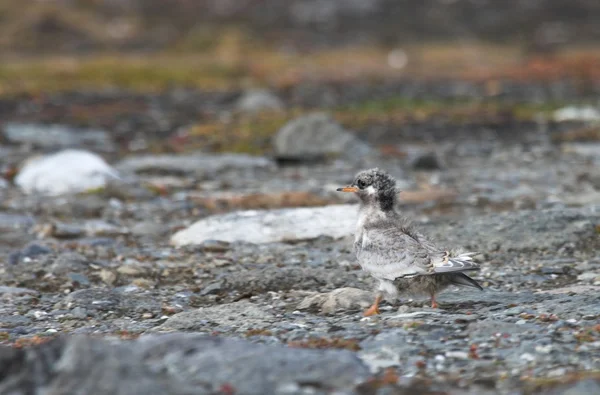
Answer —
(373, 310)
(434, 304)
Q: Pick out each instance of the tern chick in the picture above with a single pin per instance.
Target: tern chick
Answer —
(393, 252)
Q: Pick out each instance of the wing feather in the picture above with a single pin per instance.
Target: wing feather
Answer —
(389, 252)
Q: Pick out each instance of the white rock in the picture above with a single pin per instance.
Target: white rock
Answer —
(67, 171)
(258, 100)
(266, 226)
(573, 113)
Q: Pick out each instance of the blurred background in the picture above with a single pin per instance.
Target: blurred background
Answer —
(381, 56)
(423, 82)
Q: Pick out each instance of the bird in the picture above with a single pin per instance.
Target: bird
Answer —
(394, 252)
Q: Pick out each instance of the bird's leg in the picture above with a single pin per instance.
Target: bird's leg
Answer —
(374, 309)
(434, 304)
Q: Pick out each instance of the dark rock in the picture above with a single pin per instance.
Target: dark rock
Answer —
(426, 161)
(174, 364)
(34, 249)
(316, 137)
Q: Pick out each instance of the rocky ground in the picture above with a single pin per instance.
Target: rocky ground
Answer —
(103, 247)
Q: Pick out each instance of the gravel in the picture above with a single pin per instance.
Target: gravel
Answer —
(101, 293)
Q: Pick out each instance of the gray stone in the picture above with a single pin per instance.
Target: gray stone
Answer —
(57, 136)
(338, 300)
(317, 136)
(240, 313)
(174, 364)
(68, 262)
(266, 226)
(201, 165)
(4, 290)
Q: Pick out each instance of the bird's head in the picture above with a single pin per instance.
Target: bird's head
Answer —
(374, 186)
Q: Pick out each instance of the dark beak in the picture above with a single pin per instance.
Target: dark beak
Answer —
(349, 188)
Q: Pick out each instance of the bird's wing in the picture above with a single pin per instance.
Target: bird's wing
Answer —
(390, 252)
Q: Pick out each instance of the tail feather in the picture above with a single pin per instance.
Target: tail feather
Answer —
(462, 262)
(463, 279)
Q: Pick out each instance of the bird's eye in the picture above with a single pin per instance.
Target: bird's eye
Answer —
(361, 184)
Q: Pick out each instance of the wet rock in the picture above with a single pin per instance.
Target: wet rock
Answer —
(338, 300)
(255, 101)
(241, 314)
(57, 136)
(200, 165)
(65, 172)
(317, 136)
(273, 225)
(178, 364)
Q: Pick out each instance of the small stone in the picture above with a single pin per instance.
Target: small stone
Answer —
(212, 289)
(339, 299)
(147, 315)
(258, 100)
(34, 250)
(527, 357)
(131, 269)
(514, 311)
(79, 279)
(588, 277)
(457, 354)
(214, 246)
(101, 228)
(108, 277)
(79, 312)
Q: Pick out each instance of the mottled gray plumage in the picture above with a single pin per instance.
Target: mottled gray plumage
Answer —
(392, 251)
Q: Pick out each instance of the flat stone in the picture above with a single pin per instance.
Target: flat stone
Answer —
(4, 290)
(339, 299)
(201, 164)
(240, 313)
(57, 136)
(267, 226)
